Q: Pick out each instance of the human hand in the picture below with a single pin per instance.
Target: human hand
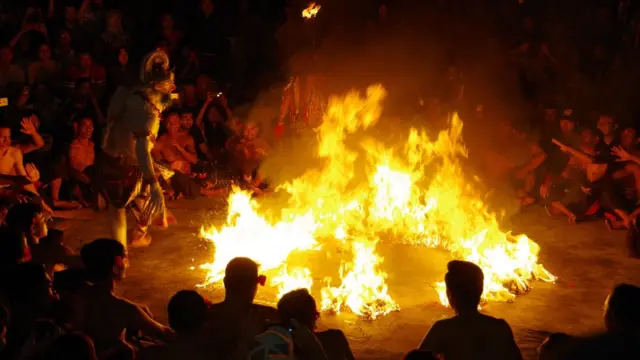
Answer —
(210, 97)
(28, 127)
(621, 153)
(572, 218)
(155, 203)
(176, 144)
(32, 173)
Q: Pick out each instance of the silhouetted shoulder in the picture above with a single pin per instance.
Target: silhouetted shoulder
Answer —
(268, 313)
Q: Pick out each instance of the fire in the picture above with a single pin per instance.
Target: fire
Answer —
(298, 278)
(311, 11)
(414, 194)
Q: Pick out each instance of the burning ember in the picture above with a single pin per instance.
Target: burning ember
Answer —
(311, 11)
(397, 201)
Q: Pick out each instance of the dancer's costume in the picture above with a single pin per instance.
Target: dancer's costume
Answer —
(133, 115)
(302, 106)
(302, 103)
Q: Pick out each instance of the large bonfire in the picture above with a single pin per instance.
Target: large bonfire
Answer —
(332, 206)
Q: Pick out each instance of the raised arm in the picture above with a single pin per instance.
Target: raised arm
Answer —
(29, 129)
(577, 153)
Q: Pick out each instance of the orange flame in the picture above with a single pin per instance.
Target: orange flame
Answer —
(332, 205)
(311, 10)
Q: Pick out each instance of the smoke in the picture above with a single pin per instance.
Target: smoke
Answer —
(409, 58)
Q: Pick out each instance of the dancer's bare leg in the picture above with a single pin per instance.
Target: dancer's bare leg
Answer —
(119, 226)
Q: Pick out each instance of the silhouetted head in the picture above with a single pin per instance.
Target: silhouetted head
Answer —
(465, 283)
(621, 309)
(104, 259)
(29, 220)
(241, 279)
(72, 346)
(420, 355)
(187, 312)
(298, 305)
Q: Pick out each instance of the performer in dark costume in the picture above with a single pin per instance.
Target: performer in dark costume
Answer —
(126, 164)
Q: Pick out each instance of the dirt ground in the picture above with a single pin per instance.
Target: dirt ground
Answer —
(587, 259)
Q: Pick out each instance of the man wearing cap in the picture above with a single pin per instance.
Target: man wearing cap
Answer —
(132, 128)
(236, 321)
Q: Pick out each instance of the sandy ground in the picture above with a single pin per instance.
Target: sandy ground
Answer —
(587, 258)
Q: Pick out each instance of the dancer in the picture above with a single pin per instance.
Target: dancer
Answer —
(126, 163)
(302, 103)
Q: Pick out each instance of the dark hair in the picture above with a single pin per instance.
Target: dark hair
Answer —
(299, 305)
(20, 217)
(71, 346)
(99, 257)
(13, 247)
(69, 280)
(25, 283)
(622, 306)
(465, 283)
(187, 311)
(241, 273)
(419, 355)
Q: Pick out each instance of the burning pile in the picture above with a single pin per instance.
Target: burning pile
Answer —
(331, 206)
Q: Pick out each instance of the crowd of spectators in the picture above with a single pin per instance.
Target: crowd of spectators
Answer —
(572, 64)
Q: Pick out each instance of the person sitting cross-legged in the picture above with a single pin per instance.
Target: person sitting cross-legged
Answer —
(470, 334)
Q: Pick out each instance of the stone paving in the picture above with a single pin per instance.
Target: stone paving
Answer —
(587, 258)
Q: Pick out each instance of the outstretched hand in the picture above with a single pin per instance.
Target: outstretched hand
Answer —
(28, 127)
(620, 153)
(32, 172)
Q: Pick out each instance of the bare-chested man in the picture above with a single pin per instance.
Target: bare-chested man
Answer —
(176, 147)
(11, 164)
(104, 316)
(248, 152)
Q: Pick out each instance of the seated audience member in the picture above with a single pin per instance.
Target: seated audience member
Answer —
(81, 159)
(556, 346)
(11, 160)
(45, 70)
(187, 317)
(28, 220)
(106, 316)
(9, 72)
(566, 133)
(420, 355)
(247, 153)
(88, 69)
(236, 321)
(177, 149)
(72, 346)
(14, 250)
(297, 310)
(71, 286)
(188, 128)
(609, 129)
(575, 192)
(29, 296)
(469, 334)
(622, 323)
(211, 120)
